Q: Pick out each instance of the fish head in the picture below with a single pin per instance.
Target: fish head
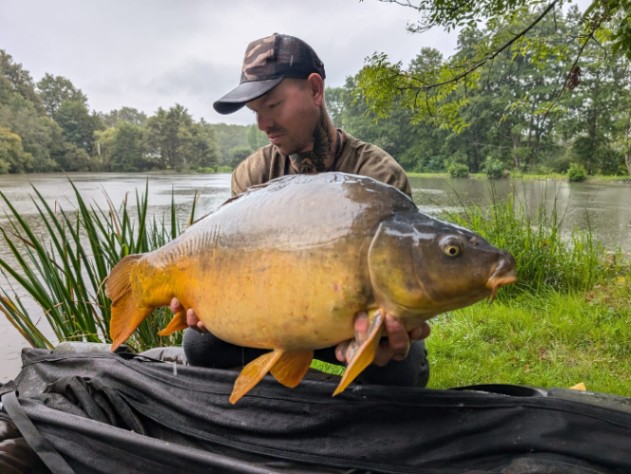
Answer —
(421, 266)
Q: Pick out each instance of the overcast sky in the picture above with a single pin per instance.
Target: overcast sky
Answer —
(156, 53)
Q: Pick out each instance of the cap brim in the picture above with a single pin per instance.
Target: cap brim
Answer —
(244, 93)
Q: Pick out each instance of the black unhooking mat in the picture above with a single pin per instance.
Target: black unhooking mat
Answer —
(113, 414)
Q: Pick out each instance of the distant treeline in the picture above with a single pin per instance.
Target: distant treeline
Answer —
(48, 126)
(530, 109)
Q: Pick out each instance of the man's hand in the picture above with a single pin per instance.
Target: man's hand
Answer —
(395, 347)
(191, 318)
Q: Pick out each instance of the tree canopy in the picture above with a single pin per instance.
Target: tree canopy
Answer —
(531, 86)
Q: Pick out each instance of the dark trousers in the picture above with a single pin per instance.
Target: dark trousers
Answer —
(206, 350)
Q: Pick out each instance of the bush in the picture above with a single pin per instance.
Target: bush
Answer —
(576, 173)
(458, 170)
(494, 169)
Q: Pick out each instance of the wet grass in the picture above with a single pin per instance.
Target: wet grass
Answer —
(548, 339)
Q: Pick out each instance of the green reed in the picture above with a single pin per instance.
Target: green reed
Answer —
(64, 270)
(547, 256)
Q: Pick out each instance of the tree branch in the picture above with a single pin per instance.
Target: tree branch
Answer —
(492, 56)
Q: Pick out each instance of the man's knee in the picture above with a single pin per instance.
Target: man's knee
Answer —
(202, 349)
(413, 371)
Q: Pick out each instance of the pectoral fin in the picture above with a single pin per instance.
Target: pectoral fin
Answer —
(252, 374)
(292, 367)
(177, 323)
(365, 352)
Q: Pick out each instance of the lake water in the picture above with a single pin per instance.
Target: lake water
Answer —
(604, 208)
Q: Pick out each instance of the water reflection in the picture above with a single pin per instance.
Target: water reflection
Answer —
(605, 209)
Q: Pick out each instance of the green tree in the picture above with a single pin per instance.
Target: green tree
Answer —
(124, 114)
(13, 158)
(602, 18)
(174, 141)
(128, 149)
(78, 124)
(236, 140)
(104, 146)
(55, 90)
(68, 107)
(36, 131)
(204, 148)
(15, 80)
(416, 146)
(509, 94)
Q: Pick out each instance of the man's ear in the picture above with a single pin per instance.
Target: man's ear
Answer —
(316, 87)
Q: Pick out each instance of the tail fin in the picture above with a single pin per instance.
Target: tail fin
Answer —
(126, 315)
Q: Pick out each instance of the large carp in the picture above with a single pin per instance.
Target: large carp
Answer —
(286, 266)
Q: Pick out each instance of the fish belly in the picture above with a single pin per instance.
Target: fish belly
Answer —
(278, 298)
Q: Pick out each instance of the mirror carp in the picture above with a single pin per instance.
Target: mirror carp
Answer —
(286, 266)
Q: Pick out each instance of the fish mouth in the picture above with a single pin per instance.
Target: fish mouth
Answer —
(503, 275)
(496, 282)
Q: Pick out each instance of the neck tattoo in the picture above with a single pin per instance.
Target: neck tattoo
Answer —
(311, 162)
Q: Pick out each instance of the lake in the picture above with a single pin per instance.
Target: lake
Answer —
(605, 208)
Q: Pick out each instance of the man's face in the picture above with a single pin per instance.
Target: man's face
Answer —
(288, 114)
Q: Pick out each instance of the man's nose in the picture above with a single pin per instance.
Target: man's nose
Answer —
(264, 122)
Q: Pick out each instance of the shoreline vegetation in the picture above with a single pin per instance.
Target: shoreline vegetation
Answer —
(566, 321)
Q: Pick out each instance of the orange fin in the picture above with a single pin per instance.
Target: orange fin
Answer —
(177, 323)
(292, 367)
(579, 386)
(365, 353)
(126, 315)
(252, 374)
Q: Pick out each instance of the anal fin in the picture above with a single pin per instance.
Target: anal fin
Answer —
(365, 353)
(292, 366)
(252, 374)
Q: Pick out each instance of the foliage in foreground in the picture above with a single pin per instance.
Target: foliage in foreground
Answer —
(548, 257)
(64, 273)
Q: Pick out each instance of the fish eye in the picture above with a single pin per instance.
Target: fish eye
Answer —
(451, 246)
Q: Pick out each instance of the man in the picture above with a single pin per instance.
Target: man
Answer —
(282, 82)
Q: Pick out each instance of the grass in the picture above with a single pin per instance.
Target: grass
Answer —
(547, 340)
(568, 320)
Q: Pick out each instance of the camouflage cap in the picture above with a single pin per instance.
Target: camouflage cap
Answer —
(266, 63)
